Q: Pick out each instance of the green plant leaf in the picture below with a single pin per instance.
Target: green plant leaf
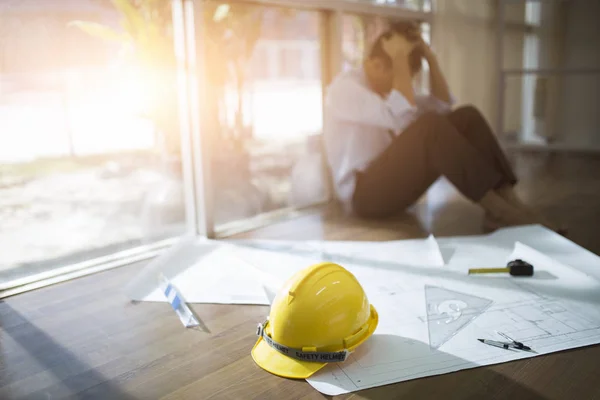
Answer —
(221, 12)
(100, 31)
(134, 21)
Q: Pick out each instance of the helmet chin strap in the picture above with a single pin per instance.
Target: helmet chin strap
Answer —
(298, 354)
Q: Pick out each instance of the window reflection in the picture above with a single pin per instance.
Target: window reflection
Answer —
(265, 77)
(89, 150)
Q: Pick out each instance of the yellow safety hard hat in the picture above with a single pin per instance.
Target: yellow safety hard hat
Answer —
(319, 316)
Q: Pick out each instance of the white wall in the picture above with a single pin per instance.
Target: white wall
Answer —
(464, 37)
(579, 117)
(541, 93)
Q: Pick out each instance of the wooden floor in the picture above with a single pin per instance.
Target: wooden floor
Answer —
(84, 339)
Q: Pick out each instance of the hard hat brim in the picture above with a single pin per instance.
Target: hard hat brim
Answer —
(278, 364)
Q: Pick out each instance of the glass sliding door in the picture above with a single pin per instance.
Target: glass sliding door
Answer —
(90, 150)
(264, 72)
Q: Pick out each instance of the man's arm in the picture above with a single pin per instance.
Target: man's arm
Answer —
(352, 102)
(402, 78)
(438, 83)
(349, 101)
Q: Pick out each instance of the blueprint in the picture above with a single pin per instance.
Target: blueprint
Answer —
(438, 333)
(431, 316)
(417, 252)
(431, 312)
(211, 271)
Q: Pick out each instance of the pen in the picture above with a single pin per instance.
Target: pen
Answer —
(513, 344)
(494, 343)
(516, 344)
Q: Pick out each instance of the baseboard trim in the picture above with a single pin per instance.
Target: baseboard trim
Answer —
(89, 267)
(552, 148)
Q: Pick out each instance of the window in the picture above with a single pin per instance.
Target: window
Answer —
(90, 147)
(89, 152)
(267, 82)
(291, 62)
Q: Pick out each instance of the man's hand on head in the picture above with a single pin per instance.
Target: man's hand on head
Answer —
(414, 32)
(398, 47)
(425, 50)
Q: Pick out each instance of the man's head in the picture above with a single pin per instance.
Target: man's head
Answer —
(378, 65)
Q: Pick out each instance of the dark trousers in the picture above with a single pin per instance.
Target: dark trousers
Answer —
(459, 146)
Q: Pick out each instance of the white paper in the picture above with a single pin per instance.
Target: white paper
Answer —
(421, 252)
(207, 271)
(554, 246)
(204, 272)
(476, 251)
(558, 311)
(416, 252)
(273, 267)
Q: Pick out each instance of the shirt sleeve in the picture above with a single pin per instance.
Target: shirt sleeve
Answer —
(350, 101)
(428, 102)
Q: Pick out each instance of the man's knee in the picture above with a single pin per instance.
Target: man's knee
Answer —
(468, 111)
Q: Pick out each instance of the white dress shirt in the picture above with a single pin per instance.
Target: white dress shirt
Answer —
(358, 123)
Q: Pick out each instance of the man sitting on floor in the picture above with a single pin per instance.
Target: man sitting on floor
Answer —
(386, 146)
